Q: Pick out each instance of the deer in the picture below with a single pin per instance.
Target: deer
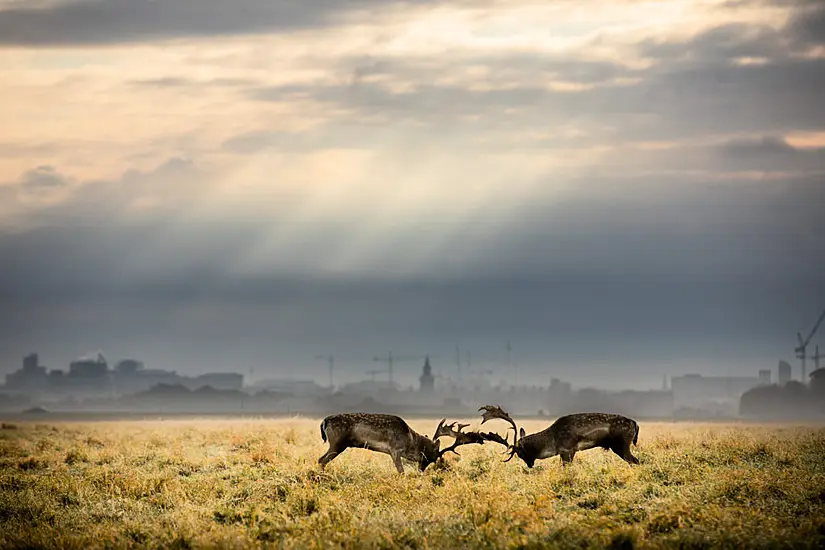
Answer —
(568, 435)
(390, 434)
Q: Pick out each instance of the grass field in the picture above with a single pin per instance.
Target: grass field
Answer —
(250, 483)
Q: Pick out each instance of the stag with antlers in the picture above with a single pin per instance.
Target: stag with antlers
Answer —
(569, 434)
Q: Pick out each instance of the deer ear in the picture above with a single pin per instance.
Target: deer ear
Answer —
(521, 433)
(437, 444)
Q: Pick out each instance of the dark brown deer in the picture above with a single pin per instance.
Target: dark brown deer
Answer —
(570, 434)
(383, 433)
(390, 434)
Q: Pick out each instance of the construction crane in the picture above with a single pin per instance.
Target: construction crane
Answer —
(390, 359)
(801, 350)
(331, 360)
(816, 357)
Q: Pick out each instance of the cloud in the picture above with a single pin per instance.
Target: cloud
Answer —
(720, 45)
(125, 21)
(657, 226)
(254, 142)
(735, 158)
(179, 82)
(400, 178)
(632, 274)
(10, 149)
(45, 196)
(808, 25)
(36, 190)
(42, 177)
(667, 103)
(769, 153)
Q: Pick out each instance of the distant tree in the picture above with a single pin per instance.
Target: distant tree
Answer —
(795, 399)
(818, 383)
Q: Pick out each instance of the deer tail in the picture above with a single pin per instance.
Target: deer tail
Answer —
(636, 436)
(323, 430)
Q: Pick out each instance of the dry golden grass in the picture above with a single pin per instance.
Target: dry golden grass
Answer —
(250, 483)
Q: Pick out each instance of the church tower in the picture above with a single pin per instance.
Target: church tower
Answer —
(427, 379)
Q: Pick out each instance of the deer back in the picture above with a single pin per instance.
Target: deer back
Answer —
(587, 430)
(378, 432)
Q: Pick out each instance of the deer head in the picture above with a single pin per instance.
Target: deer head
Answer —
(429, 452)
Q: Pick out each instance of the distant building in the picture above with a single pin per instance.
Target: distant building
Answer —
(128, 367)
(31, 362)
(32, 377)
(427, 379)
(644, 404)
(88, 374)
(716, 395)
(765, 377)
(129, 379)
(783, 373)
(89, 368)
(818, 381)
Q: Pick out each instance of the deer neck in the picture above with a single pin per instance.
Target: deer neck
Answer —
(540, 445)
(415, 447)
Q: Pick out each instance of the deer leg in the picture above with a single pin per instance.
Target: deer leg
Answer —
(623, 450)
(329, 455)
(396, 459)
(567, 457)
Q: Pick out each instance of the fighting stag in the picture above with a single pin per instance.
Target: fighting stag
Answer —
(383, 433)
(570, 434)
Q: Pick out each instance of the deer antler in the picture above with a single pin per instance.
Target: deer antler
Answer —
(440, 430)
(491, 412)
(463, 438)
(447, 430)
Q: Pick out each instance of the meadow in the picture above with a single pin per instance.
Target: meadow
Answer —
(246, 483)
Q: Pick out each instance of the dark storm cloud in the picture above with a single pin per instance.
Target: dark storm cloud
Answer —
(123, 21)
(201, 321)
(656, 227)
(632, 269)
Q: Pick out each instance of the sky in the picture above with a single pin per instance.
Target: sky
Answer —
(621, 189)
